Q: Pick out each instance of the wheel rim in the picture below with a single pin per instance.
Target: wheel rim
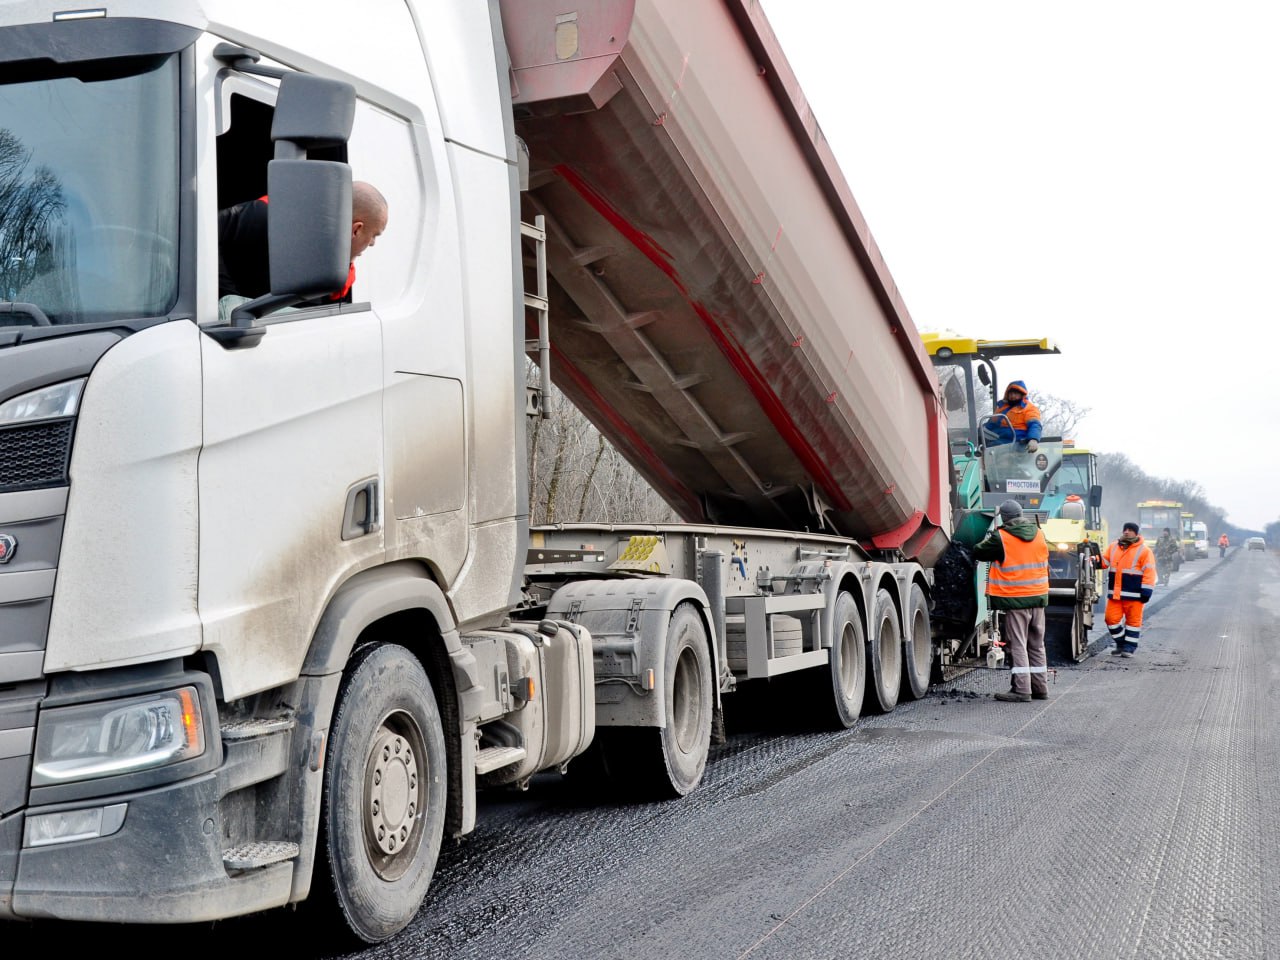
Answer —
(848, 661)
(686, 700)
(395, 782)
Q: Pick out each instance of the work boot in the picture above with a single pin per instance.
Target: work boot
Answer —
(1126, 654)
(1013, 696)
(1039, 696)
(1117, 652)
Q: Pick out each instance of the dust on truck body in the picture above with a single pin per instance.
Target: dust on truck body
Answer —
(273, 608)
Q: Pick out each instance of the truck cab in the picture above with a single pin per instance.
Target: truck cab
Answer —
(255, 541)
(1200, 533)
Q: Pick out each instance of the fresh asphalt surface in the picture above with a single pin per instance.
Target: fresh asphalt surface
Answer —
(1131, 815)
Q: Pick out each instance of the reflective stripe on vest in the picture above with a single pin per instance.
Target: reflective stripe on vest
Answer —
(1024, 571)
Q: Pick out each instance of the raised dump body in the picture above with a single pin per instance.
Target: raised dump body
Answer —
(719, 308)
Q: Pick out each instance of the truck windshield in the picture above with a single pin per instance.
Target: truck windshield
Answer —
(1011, 468)
(1072, 477)
(89, 195)
(1153, 520)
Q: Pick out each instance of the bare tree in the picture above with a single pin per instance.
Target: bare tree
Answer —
(575, 474)
(1125, 485)
(31, 202)
(1059, 416)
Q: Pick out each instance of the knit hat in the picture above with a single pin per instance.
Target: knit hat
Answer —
(1010, 510)
(1130, 526)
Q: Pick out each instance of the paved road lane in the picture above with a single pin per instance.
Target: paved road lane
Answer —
(1129, 816)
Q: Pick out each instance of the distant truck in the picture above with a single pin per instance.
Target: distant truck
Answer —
(1188, 536)
(1200, 534)
(1155, 516)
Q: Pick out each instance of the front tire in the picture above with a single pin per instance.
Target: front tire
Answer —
(382, 818)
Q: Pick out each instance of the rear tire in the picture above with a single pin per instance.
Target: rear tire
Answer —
(645, 762)
(884, 681)
(383, 807)
(917, 654)
(838, 691)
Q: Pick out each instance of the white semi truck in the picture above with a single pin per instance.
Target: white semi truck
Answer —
(270, 606)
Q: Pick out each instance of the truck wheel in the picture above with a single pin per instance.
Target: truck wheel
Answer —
(382, 817)
(917, 655)
(838, 691)
(885, 643)
(675, 758)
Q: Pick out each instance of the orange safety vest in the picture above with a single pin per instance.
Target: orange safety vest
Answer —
(1137, 568)
(1019, 414)
(1024, 571)
(1223, 541)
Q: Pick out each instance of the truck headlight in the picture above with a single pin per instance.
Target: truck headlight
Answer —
(47, 403)
(117, 736)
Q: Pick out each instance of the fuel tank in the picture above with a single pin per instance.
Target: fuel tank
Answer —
(719, 308)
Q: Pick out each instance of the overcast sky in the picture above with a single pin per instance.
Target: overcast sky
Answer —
(1103, 173)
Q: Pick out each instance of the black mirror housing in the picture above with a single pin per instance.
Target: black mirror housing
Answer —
(313, 111)
(1095, 495)
(308, 226)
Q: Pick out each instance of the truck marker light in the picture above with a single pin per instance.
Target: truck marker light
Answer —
(190, 714)
(648, 679)
(91, 14)
(523, 689)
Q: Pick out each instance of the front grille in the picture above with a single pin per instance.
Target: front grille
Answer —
(35, 455)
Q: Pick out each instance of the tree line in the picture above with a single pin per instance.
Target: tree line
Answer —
(576, 475)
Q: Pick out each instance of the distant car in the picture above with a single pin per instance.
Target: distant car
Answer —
(1255, 543)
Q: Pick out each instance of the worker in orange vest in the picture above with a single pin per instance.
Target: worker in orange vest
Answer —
(1018, 586)
(1223, 543)
(1015, 419)
(1131, 578)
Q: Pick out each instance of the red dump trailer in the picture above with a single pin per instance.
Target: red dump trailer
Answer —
(721, 311)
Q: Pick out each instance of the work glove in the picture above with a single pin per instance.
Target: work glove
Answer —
(1146, 594)
(1033, 446)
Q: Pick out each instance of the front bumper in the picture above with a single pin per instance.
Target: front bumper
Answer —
(164, 865)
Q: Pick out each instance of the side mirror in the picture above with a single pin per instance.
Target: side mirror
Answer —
(309, 205)
(308, 226)
(1095, 495)
(983, 375)
(309, 214)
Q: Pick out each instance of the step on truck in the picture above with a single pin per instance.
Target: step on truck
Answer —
(271, 610)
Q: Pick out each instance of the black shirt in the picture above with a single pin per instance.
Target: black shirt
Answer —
(243, 265)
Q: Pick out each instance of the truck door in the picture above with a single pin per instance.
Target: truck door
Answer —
(291, 478)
